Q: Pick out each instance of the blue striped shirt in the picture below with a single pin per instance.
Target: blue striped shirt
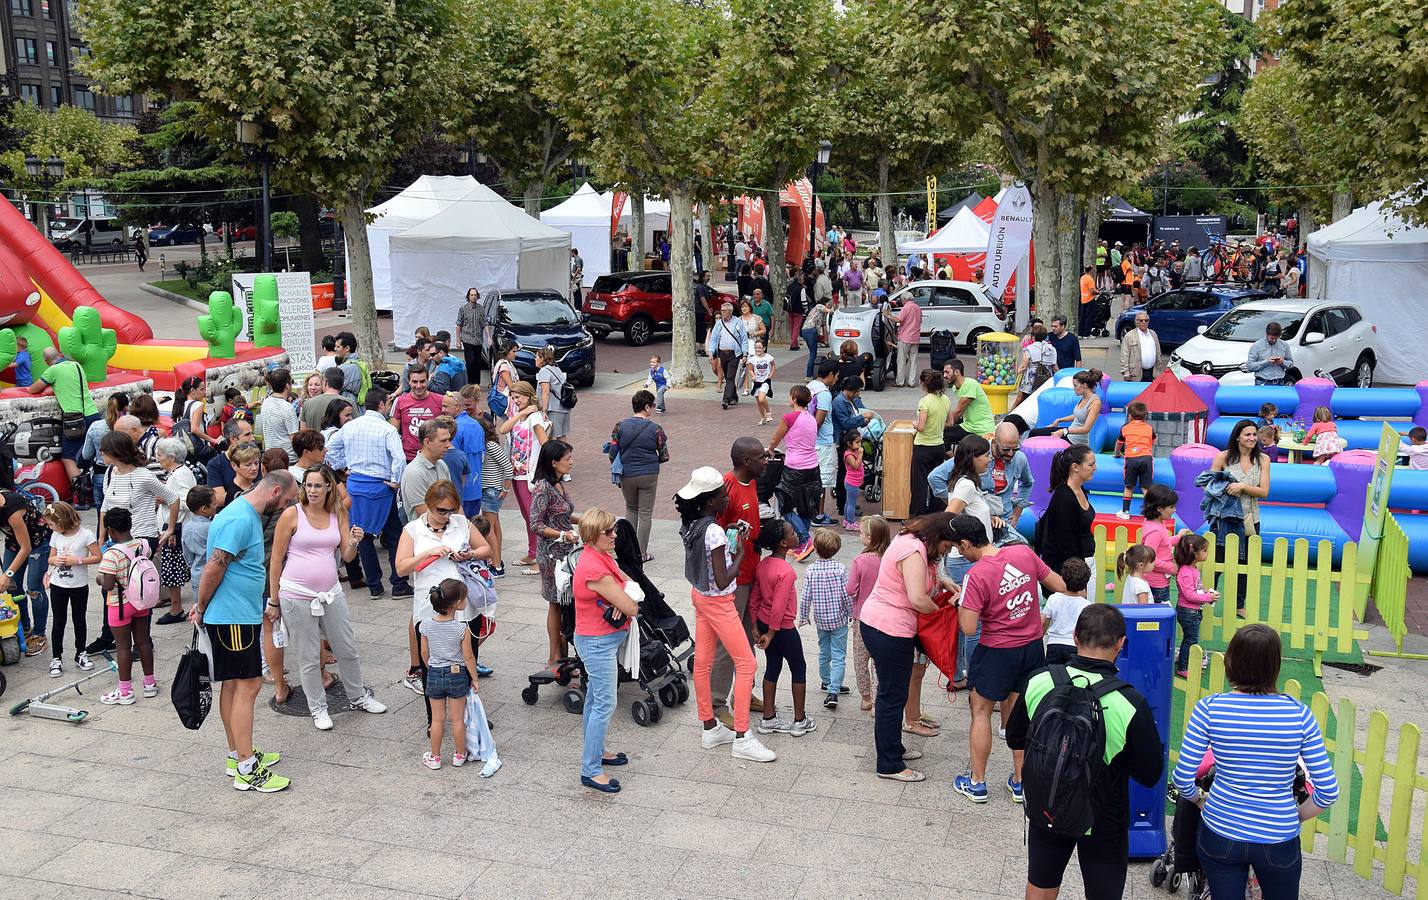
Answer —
(1257, 740)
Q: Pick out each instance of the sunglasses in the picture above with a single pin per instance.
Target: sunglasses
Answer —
(445, 511)
(609, 532)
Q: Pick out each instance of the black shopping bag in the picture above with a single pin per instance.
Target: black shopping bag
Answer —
(192, 689)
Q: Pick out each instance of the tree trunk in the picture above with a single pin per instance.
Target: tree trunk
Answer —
(1045, 235)
(309, 234)
(1306, 221)
(706, 237)
(887, 236)
(684, 363)
(1095, 211)
(352, 214)
(1069, 239)
(637, 230)
(530, 199)
(1343, 204)
(776, 246)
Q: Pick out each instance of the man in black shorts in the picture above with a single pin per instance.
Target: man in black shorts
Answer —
(1001, 595)
(230, 607)
(1133, 750)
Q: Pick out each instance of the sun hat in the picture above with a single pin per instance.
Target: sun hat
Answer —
(701, 481)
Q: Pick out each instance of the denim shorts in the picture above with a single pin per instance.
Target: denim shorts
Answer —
(444, 683)
(491, 500)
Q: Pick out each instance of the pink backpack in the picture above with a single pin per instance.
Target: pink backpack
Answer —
(143, 591)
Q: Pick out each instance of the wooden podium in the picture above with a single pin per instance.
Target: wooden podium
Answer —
(897, 468)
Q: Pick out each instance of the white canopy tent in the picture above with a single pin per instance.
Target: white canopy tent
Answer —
(422, 199)
(476, 239)
(585, 216)
(964, 234)
(1375, 259)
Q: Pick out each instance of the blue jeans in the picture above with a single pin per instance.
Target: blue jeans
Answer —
(34, 615)
(98, 481)
(597, 652)
(810, 337)
(850, 501)
(367, 552)
(1189, 620)
(659, 397)
(1160, 594)
(1227, 866)
(1222, 528)
(800, 525)
(832, 657)
(957, 568)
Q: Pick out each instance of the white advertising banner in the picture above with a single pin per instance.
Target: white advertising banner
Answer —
(294, 316)
(1010, 238)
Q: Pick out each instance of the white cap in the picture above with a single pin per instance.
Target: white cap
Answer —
(701, 481)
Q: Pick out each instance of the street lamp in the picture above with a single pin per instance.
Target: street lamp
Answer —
(251, 137)
(47, 173)
(472, 160)
(1165, 196)
(825, 149)
(578, 170)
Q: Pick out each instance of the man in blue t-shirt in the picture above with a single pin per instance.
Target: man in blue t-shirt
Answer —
(230, 607)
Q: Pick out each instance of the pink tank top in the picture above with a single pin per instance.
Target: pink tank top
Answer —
(312, 555)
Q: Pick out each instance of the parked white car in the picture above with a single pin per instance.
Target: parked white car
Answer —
(1327, 338)
(961, 306)
(863, 326)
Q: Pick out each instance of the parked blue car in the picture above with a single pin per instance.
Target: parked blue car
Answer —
(1176, 316)
(532, 319)
(172, 235)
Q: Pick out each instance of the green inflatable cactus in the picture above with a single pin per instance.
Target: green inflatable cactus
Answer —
(88, 343)
(221, 326)
(267, 327)
(8, 347)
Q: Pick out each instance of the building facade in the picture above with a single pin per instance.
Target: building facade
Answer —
(43, 49)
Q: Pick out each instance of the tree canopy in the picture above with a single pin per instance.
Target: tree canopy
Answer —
(88, 146)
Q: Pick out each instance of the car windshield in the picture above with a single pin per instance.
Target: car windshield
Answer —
(548, 313)
(1245, 326)
(608, 284)
(65, 223)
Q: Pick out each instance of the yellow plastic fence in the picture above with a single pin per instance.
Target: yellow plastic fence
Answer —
(1283, 604)
(1390, 581)
(1387, 788)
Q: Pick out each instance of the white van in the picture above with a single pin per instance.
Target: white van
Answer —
(104, 233)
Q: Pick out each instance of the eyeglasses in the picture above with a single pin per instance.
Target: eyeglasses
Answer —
(445, 511)
(609, 532)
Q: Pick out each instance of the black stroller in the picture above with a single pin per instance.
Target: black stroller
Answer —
(1098, 315)
(567, 669)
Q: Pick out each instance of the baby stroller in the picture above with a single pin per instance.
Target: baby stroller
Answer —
(944, 348)
(1099, 315)
(767, 486)
(661, 631)
(568, 668)
(873, 458)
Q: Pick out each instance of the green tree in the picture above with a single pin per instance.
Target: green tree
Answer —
(89, 147)
(638, 95)
(1081, 93)
(341, 88)
(1360, 68)
(1208, 131)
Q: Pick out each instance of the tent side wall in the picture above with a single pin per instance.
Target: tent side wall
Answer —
(432, 286)
(593, 243)
(545, 269)
(1391, 297)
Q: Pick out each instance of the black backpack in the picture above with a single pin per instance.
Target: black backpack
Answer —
(1064, 775)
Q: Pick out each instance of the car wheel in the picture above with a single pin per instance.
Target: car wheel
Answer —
(1363, 371)
(1121, 331)
(879, 376)
(586, 380)
(117, 244)
(975, 336)
(639, 330)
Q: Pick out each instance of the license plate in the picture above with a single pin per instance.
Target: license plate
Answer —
(597, 304)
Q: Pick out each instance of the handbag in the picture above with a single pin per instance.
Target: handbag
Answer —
(73, 426)
(192, 688)
(480, 588)
(497, 401)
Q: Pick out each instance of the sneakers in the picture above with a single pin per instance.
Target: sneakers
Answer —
(776, 725)
(484, 671)
(322, 720)
(458, 759)
(802, 726)
(404, 592)
(412, 682)
(1204, 662)
(1182, 673)
(171, 618)
(35, 644)
(1015, 788)
(99, 645)
(498, 571)
(830, 702)
(81, 659)
(1123, 515)
(751, 748)
(717, 736)
(265, 761)
(56, 668)
(974, 791)
(368, 702)
(431, 762)
(261, 779)
(852, 526)
(823, 520)
(115, 698)
(842, 690)
(151, 690)
(803, 550)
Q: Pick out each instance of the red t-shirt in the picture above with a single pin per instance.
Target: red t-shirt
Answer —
(410, 413)
(1002, 589)
(743, 507)
(589, 613)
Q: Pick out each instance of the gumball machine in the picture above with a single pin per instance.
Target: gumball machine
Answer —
(996, 368)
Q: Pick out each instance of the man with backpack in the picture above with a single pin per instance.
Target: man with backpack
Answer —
(1076, 779)
(999, 595)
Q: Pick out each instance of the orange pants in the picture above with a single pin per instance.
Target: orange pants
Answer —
(715, 618)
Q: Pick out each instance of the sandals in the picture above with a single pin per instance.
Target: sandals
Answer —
(910, 755)
(908, 775)
(530, 570)
(920, 728)
(865, 704)
(528, 561)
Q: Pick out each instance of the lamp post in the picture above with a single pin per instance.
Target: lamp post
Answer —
(472, 160)
(252, 137)
(47, 173)
(825, 149)
(578, 170)
(1165, 194)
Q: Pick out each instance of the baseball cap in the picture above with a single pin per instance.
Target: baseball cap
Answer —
(701, 481)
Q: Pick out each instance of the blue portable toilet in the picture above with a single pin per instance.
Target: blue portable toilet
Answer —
(1147, 664)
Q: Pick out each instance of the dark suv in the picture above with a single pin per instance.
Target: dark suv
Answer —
(532, 319)
(637, 303)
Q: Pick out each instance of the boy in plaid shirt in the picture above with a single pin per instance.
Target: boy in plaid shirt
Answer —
(825, 596)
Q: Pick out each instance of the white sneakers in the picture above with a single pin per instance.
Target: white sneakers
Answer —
(750, 748)
(746, 747)
(322, 720)
(368, 702)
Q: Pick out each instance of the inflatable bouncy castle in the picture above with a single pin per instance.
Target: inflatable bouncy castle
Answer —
(44, 299)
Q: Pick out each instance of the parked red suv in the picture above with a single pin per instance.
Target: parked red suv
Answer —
(637, 303)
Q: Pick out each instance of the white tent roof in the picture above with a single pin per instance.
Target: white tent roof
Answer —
(1368, 234)
(586, 206)
(479, 221)
(422, 199)
(964, 234)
